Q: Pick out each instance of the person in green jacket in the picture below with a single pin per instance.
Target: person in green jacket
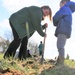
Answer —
(24, 23)
(40, 48)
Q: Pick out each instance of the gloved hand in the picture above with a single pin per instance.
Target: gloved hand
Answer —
(46, 25)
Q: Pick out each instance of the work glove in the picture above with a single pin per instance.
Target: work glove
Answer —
(46, 25)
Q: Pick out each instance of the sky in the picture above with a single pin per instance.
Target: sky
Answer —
(7, 7)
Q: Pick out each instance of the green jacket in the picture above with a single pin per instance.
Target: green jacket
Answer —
(33, 15)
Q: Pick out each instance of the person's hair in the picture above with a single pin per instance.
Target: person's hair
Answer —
(62, 1)
(41, 42)
(50, 11)
(65, 0)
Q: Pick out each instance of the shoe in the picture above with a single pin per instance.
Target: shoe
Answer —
(60, 61)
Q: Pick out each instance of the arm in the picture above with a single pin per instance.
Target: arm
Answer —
(45, 26)
(60, 14)
(36, 19)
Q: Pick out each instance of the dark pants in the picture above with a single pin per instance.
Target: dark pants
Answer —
(15, 44)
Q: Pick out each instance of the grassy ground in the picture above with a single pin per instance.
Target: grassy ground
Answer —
(67, 69)
(32, 66)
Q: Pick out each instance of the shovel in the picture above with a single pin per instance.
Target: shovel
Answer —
(42, 59)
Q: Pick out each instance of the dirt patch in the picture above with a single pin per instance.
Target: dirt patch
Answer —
(10, 72)
(28, 67)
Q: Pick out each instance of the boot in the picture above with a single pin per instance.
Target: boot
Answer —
(60, 60)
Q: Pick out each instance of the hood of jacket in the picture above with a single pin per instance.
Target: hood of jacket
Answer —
(71, 5)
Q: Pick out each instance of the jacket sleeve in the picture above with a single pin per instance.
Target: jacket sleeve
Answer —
(36, 19)
(60, 14)
(43, 26)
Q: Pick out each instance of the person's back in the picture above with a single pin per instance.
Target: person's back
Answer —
(27, 14)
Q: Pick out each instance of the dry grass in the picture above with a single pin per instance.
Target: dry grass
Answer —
(32, 66)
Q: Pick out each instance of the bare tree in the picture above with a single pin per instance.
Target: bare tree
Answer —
(9, 36)
(4, 42)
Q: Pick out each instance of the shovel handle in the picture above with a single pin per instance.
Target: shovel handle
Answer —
(42, 59)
